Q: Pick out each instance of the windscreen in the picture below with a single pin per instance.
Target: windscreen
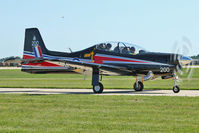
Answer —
(121, 47)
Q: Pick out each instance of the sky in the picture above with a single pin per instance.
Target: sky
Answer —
(156, 25)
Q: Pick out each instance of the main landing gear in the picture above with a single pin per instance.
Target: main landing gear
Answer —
(176, 88)
(97, 86)
(138, 85)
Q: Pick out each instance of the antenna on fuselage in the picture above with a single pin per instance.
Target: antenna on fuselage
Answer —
(70, 50)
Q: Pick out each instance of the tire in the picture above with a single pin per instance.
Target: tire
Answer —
(138, 87)
(98, 88)
(176, 89)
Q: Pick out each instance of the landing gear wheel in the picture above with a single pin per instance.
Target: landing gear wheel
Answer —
(176, 89)
(98, 88)
(139, 86)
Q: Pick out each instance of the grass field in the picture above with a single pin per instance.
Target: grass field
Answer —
(90, 113)
(16, 78)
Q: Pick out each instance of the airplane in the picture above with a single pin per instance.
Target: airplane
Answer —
(103, 59)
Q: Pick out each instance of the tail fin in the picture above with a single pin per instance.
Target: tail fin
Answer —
(34, 46)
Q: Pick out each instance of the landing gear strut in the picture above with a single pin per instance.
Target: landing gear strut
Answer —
(97, 86)
(176, 88)
(138, 85)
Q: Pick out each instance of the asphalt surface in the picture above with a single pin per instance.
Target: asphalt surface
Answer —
(191, 93)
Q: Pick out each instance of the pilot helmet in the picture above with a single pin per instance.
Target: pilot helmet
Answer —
(108, 46)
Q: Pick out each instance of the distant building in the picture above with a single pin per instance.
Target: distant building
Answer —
(11, 61)
(195, 62)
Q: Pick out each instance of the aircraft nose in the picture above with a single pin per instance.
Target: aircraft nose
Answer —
(185, 60)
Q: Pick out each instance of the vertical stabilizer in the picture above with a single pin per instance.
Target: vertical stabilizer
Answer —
(34, 46)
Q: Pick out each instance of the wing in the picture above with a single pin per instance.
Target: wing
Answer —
(104, 69)
(83, 65)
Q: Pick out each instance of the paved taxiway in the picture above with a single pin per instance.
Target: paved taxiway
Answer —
(192, 93)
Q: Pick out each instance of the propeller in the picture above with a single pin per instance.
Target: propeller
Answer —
(182, 49)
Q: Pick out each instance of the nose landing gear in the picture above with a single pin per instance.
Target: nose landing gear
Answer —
(176, 88)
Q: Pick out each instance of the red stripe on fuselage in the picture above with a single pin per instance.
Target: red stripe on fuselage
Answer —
(28, 57)
(43, 64)
(100, 59)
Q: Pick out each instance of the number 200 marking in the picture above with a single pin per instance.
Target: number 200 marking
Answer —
(164, 69)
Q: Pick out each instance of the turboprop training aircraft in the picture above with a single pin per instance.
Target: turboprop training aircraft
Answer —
(109, 58)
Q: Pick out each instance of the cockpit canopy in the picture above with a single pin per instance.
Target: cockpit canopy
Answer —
(121, 47)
